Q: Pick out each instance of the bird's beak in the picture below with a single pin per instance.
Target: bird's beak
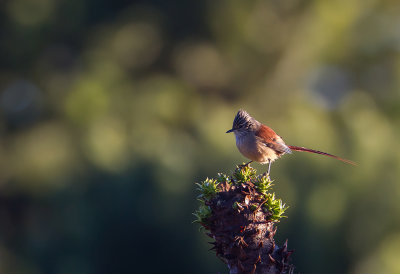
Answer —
(229, 131)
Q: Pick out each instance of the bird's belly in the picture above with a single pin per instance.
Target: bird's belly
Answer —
(255, 150)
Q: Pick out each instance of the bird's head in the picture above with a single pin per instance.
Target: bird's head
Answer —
(243, 122)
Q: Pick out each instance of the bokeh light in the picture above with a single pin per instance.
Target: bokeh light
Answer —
(111, 111)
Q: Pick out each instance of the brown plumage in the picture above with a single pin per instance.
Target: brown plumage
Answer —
(321, 153)
(272, 140)
(260, 143)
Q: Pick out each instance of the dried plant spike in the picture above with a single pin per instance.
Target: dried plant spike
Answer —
(240, 213)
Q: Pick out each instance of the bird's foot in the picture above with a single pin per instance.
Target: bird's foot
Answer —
(245, 165)
(266, 174)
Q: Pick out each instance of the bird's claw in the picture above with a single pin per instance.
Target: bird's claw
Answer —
(266, 174)
(245, 165)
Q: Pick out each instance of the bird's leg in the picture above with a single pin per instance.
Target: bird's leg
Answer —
(269, 169)
(245, 165)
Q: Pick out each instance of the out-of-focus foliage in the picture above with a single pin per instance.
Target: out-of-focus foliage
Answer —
(111, 110)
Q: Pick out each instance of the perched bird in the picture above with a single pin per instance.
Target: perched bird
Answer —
(260, 143)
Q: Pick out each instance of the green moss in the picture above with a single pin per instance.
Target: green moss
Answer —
(243, 173)
(202, 214)
(275, 207)
(262, 183)
(243, 176)
(208, 189)
(221, 178)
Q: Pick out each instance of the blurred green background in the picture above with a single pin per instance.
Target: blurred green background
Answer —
(111, 110)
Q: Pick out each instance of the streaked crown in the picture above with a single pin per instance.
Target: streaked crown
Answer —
(243, 121)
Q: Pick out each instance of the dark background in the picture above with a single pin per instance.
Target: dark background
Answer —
(110, 111)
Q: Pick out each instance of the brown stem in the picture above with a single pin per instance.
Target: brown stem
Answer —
(244, 233)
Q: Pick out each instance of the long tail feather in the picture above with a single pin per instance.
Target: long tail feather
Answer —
(321, 153)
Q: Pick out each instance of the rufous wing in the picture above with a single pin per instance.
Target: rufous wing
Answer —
(272, 140)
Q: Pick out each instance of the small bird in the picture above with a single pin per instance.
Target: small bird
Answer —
(260, 143)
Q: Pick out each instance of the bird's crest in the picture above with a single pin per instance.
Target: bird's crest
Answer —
(243, 120)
